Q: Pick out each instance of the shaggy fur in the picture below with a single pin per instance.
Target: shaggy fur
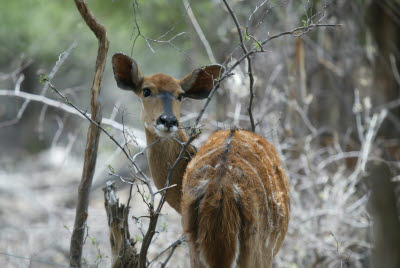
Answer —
(235, 204)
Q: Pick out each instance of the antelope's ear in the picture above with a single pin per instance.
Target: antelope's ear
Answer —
(199, 83)
(126, 72)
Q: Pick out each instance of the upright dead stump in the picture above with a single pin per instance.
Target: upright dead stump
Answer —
(124, 254)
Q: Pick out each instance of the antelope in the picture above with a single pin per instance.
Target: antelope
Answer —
(233, 195)
(161, 97)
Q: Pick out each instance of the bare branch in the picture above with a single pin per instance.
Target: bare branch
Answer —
(295, 32)
(97, 125)
(61, 59)
(255, 10)
(373, 128)
(396, 73)
(23, 106)
(173, 246)
(53, 264)
(165, 188)
(249, 64)
(161, 39)
(388, 106)
(67, 107)
(77, 238)
(199, 31)
(154, 214)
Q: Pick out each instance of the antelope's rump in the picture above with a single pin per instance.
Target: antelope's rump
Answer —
(235, 204)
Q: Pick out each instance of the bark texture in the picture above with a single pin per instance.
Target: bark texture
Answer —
(93, 136)
(123, 249)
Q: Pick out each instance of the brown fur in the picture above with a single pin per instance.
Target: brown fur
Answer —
(224, 210)
(235, 204)
(198, 84)
(163, 154)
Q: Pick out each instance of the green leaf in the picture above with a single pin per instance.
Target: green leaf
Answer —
(66, 227)
(44, 78)
(256, 45)
(111, 168)
(246, 37)
(138, 238)
(164, 227)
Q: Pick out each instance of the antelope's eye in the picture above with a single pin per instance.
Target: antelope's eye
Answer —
(146, 92)
(181, 96)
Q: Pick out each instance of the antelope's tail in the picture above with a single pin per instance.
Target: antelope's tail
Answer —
(216, 220)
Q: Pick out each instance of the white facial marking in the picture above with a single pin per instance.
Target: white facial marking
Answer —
(161, 127)
(163, 131)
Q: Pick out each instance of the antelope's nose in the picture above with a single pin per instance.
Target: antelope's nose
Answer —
(168, 121)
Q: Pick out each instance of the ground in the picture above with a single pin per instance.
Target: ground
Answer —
(37, 212)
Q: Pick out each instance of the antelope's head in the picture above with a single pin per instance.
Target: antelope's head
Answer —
(161, 94)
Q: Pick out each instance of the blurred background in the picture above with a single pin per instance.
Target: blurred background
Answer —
(328, 100)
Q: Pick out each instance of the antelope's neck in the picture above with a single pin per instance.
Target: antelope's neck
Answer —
(160, 157)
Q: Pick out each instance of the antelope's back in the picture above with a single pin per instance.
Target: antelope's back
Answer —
(244, 170)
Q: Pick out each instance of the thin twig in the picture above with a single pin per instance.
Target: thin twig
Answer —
(165, 188)
(33, 260)
(295, 32)
(199, 31)
(155, 214)
(23, 106)
(66, 107)
(373, 128)
(173, 245)
(249, 64)
(161, 39)
(61, 59)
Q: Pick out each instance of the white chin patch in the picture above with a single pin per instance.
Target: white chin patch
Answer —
(163, 131)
